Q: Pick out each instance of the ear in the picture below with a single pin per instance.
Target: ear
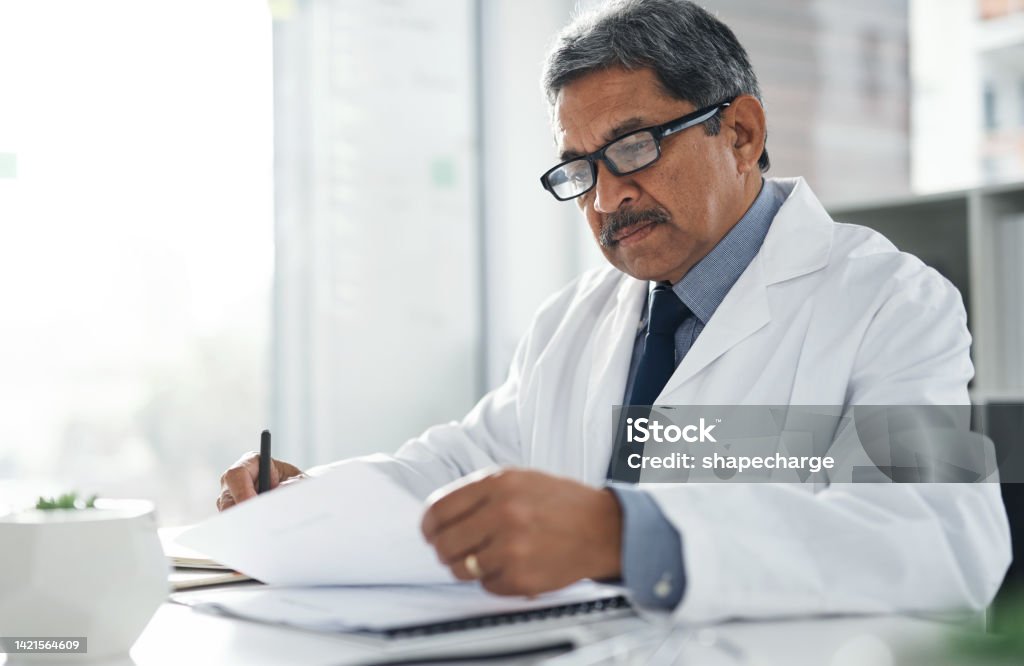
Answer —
(745, 120)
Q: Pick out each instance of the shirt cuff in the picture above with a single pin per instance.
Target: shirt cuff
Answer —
(652, 552)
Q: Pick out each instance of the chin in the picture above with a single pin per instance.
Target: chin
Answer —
(659, 268)
(650, 271)
(646, 263)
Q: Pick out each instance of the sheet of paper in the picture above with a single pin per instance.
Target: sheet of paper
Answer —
(352, 526)
(376, 608)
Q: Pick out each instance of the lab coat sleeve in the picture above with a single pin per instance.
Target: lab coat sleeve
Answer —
(768, 550)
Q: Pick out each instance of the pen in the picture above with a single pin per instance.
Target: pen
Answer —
(263, 482)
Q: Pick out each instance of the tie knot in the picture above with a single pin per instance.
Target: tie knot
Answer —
(667, 311)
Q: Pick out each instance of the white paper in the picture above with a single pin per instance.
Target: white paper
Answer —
(378, 608)
(351, 526)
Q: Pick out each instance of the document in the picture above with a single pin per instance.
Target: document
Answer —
(351, 526)
(388, 608)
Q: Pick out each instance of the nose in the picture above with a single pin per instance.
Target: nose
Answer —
(612, 192)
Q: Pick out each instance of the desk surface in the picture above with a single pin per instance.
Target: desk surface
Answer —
(178, 635)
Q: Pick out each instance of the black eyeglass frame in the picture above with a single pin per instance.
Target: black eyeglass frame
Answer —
(659, 132)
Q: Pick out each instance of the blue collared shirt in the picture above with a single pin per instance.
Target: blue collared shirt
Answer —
(652, 560)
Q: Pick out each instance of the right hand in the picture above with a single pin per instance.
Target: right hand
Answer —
(238, 483)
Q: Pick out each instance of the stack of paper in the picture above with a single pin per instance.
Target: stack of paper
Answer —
(343, 552)
(384, 608)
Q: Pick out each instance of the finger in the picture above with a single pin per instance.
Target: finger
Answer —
(513, 568)
(240, 479)
(291, 480)
(510, 581)
(453, 507)
(225, 501)
(460, 538)
(248, 461)
(461, 571)
(276, 477)
(283, 471)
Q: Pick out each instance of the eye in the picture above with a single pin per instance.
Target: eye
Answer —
(633, 150)
(642, 146)
(638, 145)
(578, 172)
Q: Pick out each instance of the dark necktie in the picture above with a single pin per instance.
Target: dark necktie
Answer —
(658, 360)
(657, 363)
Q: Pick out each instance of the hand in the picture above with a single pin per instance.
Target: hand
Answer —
(529, 531)
(238, 483)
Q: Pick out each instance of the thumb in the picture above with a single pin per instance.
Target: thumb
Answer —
(276, 477)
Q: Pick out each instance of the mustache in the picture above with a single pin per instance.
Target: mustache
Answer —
(619, 220)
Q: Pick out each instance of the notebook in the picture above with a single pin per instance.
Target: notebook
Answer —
(182, 556)
(189, 579)
(390, 612)
(192, 569)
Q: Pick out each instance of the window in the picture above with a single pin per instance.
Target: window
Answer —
(136, 249)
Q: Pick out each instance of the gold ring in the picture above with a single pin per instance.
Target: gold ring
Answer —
(472, 566)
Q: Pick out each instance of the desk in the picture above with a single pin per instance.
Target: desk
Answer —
(178, 635)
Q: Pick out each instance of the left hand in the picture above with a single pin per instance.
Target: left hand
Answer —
(530, 532)
(239, 482)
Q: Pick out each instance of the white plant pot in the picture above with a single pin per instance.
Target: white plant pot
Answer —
(93, 573)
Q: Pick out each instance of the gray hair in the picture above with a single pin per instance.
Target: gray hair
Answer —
(696, 57)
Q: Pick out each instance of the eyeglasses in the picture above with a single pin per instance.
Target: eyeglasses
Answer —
(625, 155)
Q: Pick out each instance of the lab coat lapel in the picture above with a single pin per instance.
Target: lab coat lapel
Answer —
(607, 385)
(743, 312)
(798, 242)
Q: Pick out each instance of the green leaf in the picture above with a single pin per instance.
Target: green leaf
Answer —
(66, 501)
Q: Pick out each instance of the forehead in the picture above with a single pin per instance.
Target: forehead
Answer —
(590, 110)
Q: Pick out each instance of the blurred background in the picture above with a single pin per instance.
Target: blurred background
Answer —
(323, 216)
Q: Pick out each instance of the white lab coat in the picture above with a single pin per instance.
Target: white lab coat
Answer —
(825, 314)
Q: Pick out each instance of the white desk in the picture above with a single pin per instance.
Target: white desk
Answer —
(178, 635)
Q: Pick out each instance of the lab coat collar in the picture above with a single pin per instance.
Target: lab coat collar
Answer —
(799, 242)
(800, 238)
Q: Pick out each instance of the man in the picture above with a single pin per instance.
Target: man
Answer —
(758, 298)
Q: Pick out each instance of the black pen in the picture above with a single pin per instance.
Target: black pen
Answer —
(263, 482)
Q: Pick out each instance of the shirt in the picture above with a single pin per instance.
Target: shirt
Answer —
(652, 560)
